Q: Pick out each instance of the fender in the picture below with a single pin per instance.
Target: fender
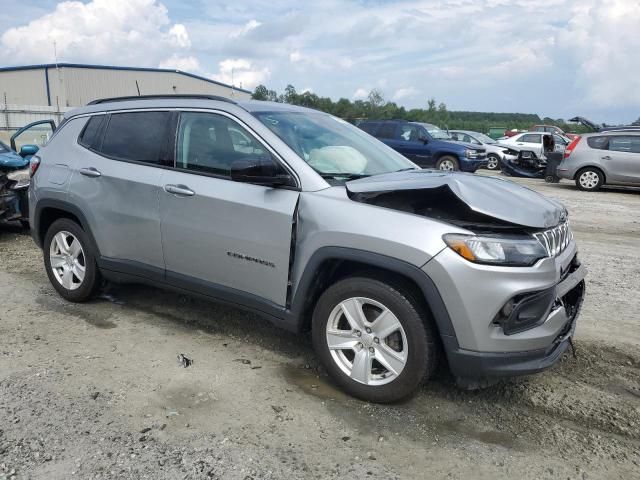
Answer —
(428, 288)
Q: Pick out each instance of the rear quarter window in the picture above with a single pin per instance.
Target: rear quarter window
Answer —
(387, 130)
(598, 143)
(90, 135)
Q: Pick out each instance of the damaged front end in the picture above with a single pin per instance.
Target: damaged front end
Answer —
(479, 203)
(524, 164)
(14, 185)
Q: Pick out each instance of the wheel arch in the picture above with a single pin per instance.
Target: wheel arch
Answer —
(594, 167)
(330, 264)
(48, 211)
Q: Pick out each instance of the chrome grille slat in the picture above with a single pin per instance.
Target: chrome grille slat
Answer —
(556, 239)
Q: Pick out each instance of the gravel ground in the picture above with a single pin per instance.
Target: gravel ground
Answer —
(96, 390)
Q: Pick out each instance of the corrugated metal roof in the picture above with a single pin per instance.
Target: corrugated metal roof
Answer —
(111, 67)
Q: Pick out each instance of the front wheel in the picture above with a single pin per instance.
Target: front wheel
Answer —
(69, 261)
(447, 164)
(374, 338)
(493, 162)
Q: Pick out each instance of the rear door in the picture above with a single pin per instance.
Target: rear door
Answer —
(217, 233)
(115, 183)
(622, 161)
(531, 142)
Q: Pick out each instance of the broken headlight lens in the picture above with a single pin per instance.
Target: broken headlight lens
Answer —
(515, 252)
(21, 177)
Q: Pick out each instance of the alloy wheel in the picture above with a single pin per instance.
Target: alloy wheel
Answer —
(589, 179)
(367, 341)
(492, 163)
(67, 260)
(447, 165)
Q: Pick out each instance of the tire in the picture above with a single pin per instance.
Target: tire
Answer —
(493, 162)
(589, 179)
(66, 278)
(447, 163)
(398, 362)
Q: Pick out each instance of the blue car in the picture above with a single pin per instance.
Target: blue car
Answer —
(427, 145)
(14, 170)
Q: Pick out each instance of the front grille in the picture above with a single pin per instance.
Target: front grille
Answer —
(556, 239)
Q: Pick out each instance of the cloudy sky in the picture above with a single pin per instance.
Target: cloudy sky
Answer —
(557, 58)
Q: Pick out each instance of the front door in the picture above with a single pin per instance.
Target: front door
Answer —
(411, 143)
(217, 232)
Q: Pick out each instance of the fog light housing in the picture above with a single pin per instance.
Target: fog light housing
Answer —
(525, 311)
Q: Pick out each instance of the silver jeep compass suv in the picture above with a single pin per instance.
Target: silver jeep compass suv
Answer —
(305, 219)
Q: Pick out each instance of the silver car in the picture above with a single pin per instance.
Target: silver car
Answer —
(604, 158)
(315, 225)
(495, 152)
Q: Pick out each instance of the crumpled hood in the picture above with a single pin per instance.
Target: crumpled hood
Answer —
(11, 160)
(491, 196)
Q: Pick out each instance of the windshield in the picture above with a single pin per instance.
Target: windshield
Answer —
(436, 132)
(484, 138)
(333, 147)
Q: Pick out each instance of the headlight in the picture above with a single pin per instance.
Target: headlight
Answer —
(21, 177)
(471, 154)
(517, 252)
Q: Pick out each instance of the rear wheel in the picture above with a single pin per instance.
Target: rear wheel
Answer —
(493, 162)
(69, 261)
(447, 163)
(589, 179)
(374, 338)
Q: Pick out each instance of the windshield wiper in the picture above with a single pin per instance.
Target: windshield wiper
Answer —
(407, 169)
(340, 175)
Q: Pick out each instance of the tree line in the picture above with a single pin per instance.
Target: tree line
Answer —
(375, 106)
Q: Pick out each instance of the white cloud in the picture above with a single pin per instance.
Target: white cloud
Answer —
(404, 93)
(360, 93)
(246, 28)
(295, 56)
(604, 45)
(241, 72)
(186, 64)
(130, 32)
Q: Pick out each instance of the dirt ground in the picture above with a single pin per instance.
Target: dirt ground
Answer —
(96, 390)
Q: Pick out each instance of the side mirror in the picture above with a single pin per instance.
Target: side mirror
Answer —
(423, 139)
(260, 171)
(27, 150)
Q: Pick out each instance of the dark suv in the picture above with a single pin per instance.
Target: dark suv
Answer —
(427, 145)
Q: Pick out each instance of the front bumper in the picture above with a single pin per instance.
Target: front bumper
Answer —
(467, 364)
(473, 296)
(471, 165)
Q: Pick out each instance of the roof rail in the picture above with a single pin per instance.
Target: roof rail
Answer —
(160, 97)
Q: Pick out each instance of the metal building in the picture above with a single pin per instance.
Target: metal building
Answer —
(39, 92)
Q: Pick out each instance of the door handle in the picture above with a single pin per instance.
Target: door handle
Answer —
(606, 157)
(90, 172)
(179, 190)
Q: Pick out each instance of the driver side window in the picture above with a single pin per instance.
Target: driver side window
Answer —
(210, 143)
(410, 133)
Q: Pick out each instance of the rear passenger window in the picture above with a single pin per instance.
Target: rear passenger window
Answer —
(387, 130)
(599, 143)
(210, 143)
(90, 135)
(136, 136)
(531, 139)
(370, 128)
(625, 144)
